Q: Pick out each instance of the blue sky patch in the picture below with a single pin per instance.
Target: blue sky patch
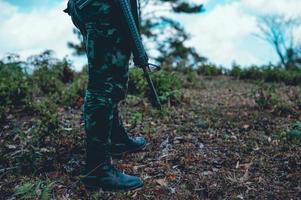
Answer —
(28, 5)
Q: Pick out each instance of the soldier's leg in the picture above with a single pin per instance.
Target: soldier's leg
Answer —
(102, 96)
(119, 133)
(105, 89)
(122, 142)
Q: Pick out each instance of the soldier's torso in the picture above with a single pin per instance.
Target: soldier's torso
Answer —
(105, 9)
(95, 10)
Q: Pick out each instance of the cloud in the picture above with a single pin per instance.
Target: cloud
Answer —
(6, 10)
(29, 33)
(286, 7)
(225, 33)
(220, 34)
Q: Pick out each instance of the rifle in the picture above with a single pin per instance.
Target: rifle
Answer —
(140, 55)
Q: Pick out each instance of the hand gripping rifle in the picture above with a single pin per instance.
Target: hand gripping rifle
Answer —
(140, 56)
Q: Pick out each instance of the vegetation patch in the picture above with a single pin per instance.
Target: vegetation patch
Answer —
(268, 74)
(34, 190)
(168, 85)
(292, 134)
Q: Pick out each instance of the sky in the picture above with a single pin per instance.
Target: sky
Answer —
(224, 33)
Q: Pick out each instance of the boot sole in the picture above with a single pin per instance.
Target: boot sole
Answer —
(95, 188)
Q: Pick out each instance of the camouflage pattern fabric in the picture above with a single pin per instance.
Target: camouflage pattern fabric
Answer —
(108, 53)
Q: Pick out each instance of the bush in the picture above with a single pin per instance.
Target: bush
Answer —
(292, 134)
(168, 85)
(191, 77)
(236, 72)
(188, 75)
(268, 74)
(50, 79)
(265, 96)
(254, 73)
(46, 131)
(180, 68)
(14, 87)
(137, 84)
(209, 70)
(295, 131)
(34, 190)
(13, 84)
(72, 95)
(50, 74)
(48, 123)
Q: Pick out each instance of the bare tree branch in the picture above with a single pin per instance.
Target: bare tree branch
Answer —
(279, 32)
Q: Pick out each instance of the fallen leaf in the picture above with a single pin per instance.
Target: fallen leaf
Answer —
(246, 126)
(161, 182)
(172, 177)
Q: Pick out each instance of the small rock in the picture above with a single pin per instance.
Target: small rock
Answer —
(207, 173)
(172, 190)
(11, 146)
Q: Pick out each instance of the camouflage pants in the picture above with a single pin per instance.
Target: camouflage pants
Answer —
(108, 56)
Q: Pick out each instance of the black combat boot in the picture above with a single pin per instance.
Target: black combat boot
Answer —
(100, 173)
(121, 142)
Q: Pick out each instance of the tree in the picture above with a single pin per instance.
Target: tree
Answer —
(280, 32)
(79, 49)
(162, 33)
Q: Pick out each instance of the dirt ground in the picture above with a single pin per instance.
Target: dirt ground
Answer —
(217, 144)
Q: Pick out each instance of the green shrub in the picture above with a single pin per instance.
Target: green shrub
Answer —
(285, 109)
(137, 117)
(48, 123)
(254, 73)
(209, 70)
(268, 74)
(137, 85)
(295, 131)
(73, 94)
(14, 87)
(292, 134)
(168, 85)
(46, 130)
(50, 79)
(181, 69)
(292, 77)
(26, 191)
(166, 81)
(192, 77)
(13, 84)
(236, 72)
(34, 190)
(50, 74)
(265, 96)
